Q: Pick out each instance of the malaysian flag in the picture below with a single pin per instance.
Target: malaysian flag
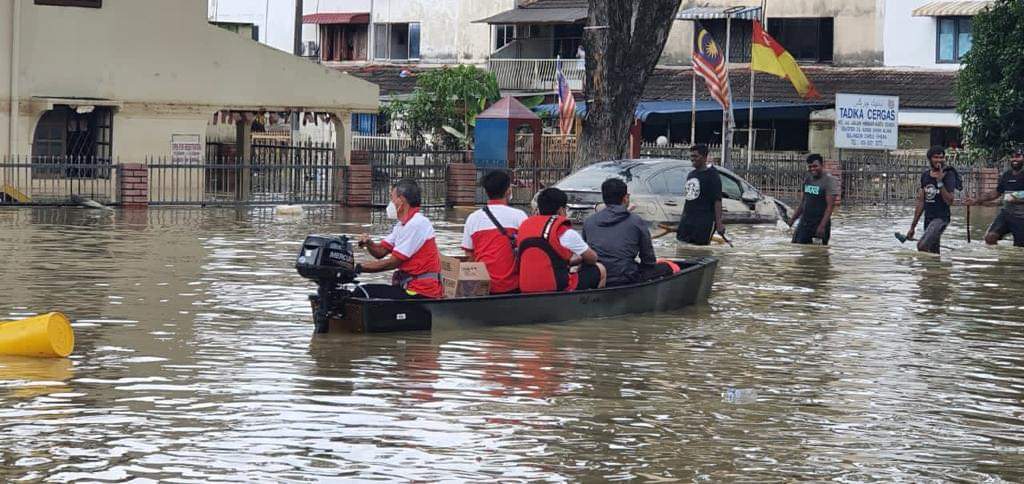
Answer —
(709, 63)
(566, 104)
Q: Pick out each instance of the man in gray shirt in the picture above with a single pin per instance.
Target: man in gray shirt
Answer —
(818, 198)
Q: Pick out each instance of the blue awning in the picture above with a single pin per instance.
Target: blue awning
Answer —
(661, 111)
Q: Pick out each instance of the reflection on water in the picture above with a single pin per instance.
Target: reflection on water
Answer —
(195, 361)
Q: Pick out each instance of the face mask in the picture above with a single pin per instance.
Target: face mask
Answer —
(509, 197)
(392, 211)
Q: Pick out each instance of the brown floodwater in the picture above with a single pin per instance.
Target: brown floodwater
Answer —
(195, 361)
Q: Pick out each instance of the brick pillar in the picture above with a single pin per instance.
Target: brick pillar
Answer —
(360, 157)
(835, 168)
(133, 185)
(360, 185)
(989, 178)
(461, 184)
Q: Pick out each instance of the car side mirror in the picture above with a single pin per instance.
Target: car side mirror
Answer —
(750, 196)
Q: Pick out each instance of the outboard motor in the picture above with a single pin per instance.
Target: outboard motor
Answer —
(328, 261)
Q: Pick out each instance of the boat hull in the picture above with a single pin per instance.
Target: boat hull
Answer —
(690, 286)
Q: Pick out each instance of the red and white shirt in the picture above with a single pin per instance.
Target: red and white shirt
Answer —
(412, 242)
(493, 249)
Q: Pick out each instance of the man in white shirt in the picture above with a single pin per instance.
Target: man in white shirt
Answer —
(490, 233)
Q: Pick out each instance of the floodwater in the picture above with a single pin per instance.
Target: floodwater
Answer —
(195, 361)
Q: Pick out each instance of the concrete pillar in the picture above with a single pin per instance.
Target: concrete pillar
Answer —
(343, 138)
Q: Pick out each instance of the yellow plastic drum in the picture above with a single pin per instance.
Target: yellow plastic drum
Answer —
(45, 336)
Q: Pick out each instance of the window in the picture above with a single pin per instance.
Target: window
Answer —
(343, 42)
(808, 39)
(72, 3)
(739, 37)
(503, 35)
(396, 41)
(953, 39)
(669, 182)
(80, 136)
(730, 187)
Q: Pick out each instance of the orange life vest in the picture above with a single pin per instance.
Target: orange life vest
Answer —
(543, 261)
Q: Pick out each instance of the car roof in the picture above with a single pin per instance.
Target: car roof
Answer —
(645, 162)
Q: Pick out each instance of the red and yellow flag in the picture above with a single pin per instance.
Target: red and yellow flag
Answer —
(767, 55)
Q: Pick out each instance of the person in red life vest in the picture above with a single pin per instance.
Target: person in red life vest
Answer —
(410, 248)
(548, 246)
(490, 233)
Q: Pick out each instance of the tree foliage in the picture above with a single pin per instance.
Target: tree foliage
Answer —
(990, 87)
(442, 110)
(623, 42)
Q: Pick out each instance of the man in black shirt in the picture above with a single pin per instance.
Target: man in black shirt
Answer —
(1011, 217)
(933, 199)
(702, 213)
(818, 199)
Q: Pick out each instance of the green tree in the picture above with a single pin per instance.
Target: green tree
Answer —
(442, 110)
(990, 87)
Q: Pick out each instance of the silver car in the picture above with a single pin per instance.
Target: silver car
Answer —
(656, 192)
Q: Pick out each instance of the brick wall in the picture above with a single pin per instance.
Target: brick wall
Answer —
(461, 184)
(133, 185)
(989, 178)
(360, 185)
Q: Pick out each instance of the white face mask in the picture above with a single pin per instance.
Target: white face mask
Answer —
(392, 211)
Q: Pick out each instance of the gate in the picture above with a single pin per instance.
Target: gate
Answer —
(429, 169)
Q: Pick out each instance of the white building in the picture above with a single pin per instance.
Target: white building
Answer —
(928, 34)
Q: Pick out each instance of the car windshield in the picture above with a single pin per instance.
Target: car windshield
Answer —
(591, 177)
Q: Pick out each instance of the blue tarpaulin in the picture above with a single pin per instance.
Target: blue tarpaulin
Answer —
(661, 111)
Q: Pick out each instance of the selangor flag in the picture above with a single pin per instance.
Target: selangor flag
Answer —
(767, 55)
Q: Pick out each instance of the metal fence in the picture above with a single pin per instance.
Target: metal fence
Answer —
(57, 180)
(232, 182)
(429, 169)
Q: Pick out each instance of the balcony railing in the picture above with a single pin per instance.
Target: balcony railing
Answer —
(536, 74)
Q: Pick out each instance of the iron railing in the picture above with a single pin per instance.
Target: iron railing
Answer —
(536, 74)
(57, 180)
(429, 169)
(231, 181)
(381, 143)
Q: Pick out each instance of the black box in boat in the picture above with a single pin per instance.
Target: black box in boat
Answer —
(338, 307)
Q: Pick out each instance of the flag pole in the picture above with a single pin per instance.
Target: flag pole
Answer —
(750, 102)
(693, 90)
(726, 111)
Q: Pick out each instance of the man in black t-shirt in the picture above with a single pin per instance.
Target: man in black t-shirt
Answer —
(933, 199)
(817, 201)
(1011, 217)
(702, 213)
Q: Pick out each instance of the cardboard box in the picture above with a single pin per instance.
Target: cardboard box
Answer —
(464, 279)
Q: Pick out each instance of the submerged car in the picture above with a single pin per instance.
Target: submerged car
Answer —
(656, 191)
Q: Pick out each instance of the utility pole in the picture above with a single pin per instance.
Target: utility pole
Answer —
(298, 27)
(298, 52)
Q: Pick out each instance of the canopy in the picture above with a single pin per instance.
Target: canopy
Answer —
(705, 13)
(337, 18)
(538, 15)
(951, 9)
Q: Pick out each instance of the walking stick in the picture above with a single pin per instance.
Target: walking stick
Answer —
(968, 223)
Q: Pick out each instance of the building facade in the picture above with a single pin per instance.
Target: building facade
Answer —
(87, 82)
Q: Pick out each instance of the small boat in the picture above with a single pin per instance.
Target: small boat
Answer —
(350, 313)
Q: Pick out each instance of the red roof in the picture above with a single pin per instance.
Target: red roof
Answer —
(508, 108)
(337, 18)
